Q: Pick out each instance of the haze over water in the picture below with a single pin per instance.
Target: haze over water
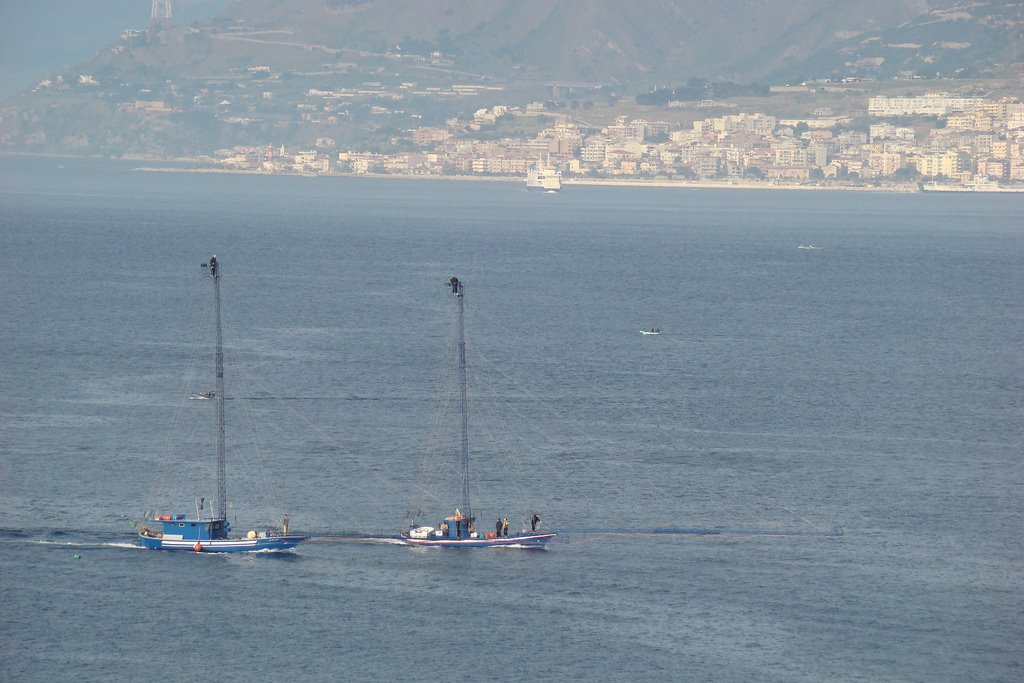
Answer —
(874, 383)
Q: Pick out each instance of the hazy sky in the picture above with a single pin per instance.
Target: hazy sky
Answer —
(41, 36)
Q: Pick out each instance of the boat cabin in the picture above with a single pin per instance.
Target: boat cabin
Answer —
(458, 526)
(178, 527)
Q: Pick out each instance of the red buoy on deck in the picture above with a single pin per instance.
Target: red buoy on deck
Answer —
(198, 547)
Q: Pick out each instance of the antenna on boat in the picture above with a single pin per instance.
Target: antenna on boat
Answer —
(459, 291)
(220, 502)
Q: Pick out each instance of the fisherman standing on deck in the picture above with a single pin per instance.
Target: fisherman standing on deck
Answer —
(534, 522)
(504, 527)
(497, 527)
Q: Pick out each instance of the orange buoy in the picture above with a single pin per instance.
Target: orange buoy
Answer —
(198, 547)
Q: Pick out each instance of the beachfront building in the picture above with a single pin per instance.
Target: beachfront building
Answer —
(948, 164)
(993, 168)
(884, 164)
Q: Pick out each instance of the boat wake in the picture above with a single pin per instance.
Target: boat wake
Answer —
(833, 532)
(85, 544)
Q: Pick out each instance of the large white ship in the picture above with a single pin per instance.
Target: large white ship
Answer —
(544, 178)
(976, 185)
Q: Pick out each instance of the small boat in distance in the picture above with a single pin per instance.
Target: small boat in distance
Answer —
(204, 396)
(808, 246)
(458, 530)
(653, 330)
(210, 532)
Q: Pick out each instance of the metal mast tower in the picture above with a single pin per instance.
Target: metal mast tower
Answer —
(160, 15)
(459, 290)
(221, 502)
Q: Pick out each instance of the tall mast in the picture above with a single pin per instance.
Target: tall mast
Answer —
(458, 289)
(221, 502)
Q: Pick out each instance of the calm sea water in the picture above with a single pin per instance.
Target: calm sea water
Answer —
(874, 383)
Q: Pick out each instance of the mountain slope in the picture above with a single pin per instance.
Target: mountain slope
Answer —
(588, 40)
(966, 39)
(364, 72)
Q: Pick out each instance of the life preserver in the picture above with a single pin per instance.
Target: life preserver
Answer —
(198, 547)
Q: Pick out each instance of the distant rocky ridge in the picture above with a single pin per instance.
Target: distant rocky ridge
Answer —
(365, 72)
(648, 42)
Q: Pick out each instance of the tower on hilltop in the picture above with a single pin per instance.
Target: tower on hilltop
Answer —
(160, 15)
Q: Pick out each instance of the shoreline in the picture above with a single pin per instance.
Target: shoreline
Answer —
(902, 188)
(193, 165)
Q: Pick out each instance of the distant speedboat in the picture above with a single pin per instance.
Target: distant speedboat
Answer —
(808, 246)
(653, 330)
(204, 396)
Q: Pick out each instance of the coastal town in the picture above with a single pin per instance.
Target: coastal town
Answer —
(901, 133)
(934, 141)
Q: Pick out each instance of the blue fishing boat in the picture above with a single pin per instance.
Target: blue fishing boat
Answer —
(459, 530)
(210, 531)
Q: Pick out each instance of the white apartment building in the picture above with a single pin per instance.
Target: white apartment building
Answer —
(758, 124)
(594, 151)
(930, 104)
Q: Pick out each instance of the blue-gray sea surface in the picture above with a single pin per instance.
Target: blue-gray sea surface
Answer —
(876, 382)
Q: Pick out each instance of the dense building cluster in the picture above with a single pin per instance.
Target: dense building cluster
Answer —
(932, 136)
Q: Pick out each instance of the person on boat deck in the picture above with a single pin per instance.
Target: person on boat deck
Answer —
(534, 521)
(504, 527)
(497, 527)
(444, 528)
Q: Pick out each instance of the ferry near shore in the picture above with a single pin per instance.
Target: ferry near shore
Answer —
(546, 178)
(976, 185)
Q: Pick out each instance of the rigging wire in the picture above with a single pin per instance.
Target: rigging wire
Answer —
(170, 457)
(253, 470)
(436, 464)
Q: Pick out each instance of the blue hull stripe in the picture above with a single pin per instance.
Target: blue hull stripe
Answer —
(226, 545)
